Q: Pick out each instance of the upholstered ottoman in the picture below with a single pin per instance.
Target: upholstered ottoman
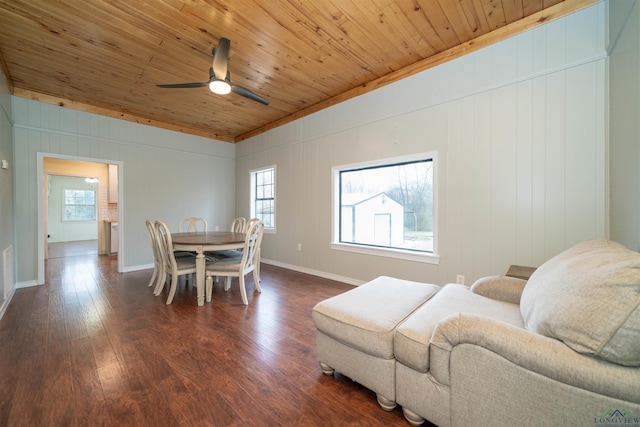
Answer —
(355, 330)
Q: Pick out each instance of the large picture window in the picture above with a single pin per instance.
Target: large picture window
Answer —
(263, 196)
(387, 207)
(79, 205)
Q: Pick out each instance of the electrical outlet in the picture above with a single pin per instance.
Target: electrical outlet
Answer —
(299, 246)
(459, 279)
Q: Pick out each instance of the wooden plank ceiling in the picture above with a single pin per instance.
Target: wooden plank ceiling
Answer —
(106, 56)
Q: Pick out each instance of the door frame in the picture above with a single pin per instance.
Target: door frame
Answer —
(41, 176)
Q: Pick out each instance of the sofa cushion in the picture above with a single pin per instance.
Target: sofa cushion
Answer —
(414, 334)
(365, 317)
(588, 297)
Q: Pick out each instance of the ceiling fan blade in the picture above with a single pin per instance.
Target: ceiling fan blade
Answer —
(219, 75)
(221, 58)
(183, 85)
(248, 94)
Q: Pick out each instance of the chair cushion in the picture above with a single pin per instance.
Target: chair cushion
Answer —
(413, 336)
(186, 262)
(588, 297)
(224, 254)
(365, 317)
(224, 265)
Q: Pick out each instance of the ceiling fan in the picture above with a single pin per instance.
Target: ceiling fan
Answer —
(219, 76)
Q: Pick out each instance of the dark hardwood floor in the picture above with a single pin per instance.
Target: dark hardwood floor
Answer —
(94, 347)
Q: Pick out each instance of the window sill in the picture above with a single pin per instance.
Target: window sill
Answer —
(427, 258)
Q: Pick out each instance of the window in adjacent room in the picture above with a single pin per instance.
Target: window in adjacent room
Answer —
(387, 208)
(79, 205)
(263, 196)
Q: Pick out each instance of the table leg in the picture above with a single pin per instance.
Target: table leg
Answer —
(200, 273)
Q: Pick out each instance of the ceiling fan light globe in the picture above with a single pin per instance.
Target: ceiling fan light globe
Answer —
(220, 87)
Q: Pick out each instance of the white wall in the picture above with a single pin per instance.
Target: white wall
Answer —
(6, 193)
(625, 126)
(519, 128)
(166, 175)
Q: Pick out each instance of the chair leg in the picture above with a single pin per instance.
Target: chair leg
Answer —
(256, 279)
(162, 280)
(154, 276)
(209, 287)
(172, 290)
(243, 291)
(227, 283)
(258, 264)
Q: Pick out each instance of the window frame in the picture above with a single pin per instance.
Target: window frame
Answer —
(404, 254)
(253, 182)
(65, 204)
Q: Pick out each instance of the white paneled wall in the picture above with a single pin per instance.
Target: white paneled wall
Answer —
(519, 128)
(6, 195)
(625, 127)
(166, 175)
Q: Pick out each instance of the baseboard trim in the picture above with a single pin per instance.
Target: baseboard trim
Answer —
(27, 284)
(137, 268)
(6, 302)
(322, 274)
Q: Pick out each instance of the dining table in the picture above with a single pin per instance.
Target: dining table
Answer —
(202, 241)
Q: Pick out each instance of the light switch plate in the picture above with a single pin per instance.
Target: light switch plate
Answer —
(5, 164)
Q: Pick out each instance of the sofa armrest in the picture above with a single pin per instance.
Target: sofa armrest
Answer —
(533, 352)
(502, 288)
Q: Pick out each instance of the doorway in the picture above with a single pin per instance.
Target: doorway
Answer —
(71, 225)
(109, 204)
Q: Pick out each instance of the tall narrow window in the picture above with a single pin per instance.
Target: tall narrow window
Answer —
(79, 205)
(263, 196)
(386, 207)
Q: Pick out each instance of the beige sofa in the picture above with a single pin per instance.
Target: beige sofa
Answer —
(562, 348)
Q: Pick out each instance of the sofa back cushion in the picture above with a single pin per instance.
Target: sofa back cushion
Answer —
(588, 297)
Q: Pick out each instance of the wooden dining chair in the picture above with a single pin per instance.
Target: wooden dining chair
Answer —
(250, 222)
(239, 266)
(174, 266)
(238, 225)
(157, 256)
(192, 223)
